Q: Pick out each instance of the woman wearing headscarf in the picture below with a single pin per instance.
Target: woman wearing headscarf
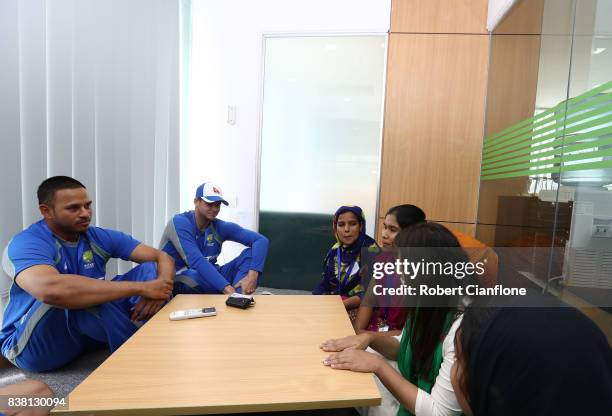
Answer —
(341, 267)
(545, 361)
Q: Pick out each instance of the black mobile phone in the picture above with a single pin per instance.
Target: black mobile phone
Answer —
(239, 302)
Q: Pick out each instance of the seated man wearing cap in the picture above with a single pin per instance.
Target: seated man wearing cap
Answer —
(194, 240)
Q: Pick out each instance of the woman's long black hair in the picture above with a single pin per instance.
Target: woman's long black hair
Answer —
(427, 323)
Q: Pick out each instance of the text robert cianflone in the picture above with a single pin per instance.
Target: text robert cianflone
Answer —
(411, 269)
(428, 290)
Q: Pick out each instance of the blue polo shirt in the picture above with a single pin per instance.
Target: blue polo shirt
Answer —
(37, 245)
(199, 250)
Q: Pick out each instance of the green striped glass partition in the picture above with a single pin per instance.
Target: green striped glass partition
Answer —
(574, 135)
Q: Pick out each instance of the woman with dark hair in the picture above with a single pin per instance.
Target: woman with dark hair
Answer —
(388, 318)
(544, 361)
(425, 353)
(341, 267)
(398, 218)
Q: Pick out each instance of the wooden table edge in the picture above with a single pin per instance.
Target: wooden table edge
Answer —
(223, 409)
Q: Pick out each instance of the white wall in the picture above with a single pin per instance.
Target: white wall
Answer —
(227, 70)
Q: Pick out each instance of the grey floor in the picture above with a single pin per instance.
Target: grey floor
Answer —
(64, 380)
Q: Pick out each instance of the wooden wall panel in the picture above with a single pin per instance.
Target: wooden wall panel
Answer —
(524, 18)
(511, 95)
(379, 229)
(513, 80)
(434, 115)
(439, 16)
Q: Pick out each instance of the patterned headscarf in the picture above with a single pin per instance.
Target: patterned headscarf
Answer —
(341, 281)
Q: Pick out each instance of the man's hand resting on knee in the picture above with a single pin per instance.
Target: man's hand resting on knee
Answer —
(158, 289)
(249, 282)
(154, 295)
(146, 308)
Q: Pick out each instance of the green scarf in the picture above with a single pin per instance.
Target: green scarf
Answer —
(404, 360)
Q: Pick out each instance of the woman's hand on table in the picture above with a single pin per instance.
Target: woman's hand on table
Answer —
(354, 360)
(361, 342)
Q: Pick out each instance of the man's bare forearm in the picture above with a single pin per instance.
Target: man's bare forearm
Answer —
(73, 291)
(165, 267)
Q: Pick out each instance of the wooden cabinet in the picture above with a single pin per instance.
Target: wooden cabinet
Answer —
(527, 221)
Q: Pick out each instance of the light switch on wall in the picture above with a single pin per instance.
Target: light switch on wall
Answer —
(231, 115)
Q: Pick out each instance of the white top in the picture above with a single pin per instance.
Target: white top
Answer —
(442, 400)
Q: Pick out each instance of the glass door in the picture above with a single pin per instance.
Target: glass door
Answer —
(320, 146)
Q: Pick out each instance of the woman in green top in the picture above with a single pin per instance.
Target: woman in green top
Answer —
(426, 348)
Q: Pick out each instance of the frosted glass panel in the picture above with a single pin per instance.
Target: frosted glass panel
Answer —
(321, 132)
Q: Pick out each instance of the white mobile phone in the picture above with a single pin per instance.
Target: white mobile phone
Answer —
(240, 295)
(192, 313)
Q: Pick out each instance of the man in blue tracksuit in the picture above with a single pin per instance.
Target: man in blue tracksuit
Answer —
(60, 303)
(194, 240)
